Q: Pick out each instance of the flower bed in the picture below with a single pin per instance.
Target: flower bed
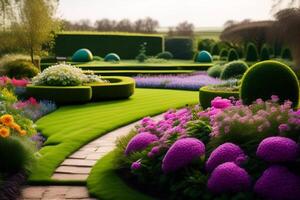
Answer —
(226, 151)
(184, 82)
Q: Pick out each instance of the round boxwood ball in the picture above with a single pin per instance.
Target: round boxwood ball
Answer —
(268, 78)
(112, 57)
(165, 55)
(233, 55)
(82, 55)
(204, 57)
(234, 69)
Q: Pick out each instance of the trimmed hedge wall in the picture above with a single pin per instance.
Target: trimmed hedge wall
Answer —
(181, 48)
(61, 95)
(118, 88)
(206, 95)
(125, 45)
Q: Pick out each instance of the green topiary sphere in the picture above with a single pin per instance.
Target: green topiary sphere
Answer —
(264, 53)
(233, 55)
(204, 57)
(82, 55)
(269, 78)
(251, 53)
(215, 50)
(223, 54)
(286, 54)
(20, 69)
(215, 71)
(112, 57)
(234, 69)
(165, 55)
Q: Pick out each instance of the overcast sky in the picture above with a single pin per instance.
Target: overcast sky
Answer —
(203, 13)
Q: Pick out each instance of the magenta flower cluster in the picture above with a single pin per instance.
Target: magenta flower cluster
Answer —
(229, 116)
(140, 142)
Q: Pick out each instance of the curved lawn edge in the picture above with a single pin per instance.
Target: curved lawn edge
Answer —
(70, 127)
(104, 183)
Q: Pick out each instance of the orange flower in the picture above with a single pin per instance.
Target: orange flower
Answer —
(16, 127)
(4, 132)
(23, 132)
(7, 119)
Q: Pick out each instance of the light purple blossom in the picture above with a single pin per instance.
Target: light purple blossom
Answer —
(182, 153)
(283, 128)
(278, 183)
(278, 149)
(228, 177)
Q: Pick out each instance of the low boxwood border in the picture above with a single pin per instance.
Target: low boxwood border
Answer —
(104, 182)
(117, 88)
(61, 94)
(206, 95)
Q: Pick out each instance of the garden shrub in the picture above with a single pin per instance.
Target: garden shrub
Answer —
(66, 43)
(264, 53)
(286, 54)
(97, 58)
(82, 55)
(234, 69)
(204, 57)
(20, 69)
(269, 78)
(112, 57)
(207, 94)
(232, 55)
(181, 48)
(251, 52)
(215, 71)
(205, 44)
(165, 55)
(16, 154)
(215, 49)
(224, 54)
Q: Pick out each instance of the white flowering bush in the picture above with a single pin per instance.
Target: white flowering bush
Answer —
(64, 75)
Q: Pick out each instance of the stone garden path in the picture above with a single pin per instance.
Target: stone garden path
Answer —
(77, 168)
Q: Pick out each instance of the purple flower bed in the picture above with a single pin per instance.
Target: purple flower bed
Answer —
(184, 82)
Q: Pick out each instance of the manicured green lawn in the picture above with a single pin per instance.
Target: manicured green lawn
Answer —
(71, 127)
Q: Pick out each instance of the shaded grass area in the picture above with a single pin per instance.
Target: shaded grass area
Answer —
(71, 127)
(104, 182)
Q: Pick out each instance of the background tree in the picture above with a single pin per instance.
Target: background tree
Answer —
(105, 25)
(185, 29)
(124, 26)
(37, 25)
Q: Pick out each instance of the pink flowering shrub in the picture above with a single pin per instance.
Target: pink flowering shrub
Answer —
(278, 183)
(228, 177)
(227, 152)
(140, 142)
(278, 149)
(181, 153)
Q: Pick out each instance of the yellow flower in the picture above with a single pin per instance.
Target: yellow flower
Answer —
(7, 120)
(23, 132)
(4, 132)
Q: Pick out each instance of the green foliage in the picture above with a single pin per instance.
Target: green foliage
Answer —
(264, 53)
(112, 57)
(286, 54)
(207, 94)
(205, 44)
(116, 88)
(104, 43)
(204, 57)
(61, 95)
(269, 78)
(181, 48)
(233, 55)
(199, 129)
(16, 154)
(251, 52)
(82, 55)
(234, 69)
(215, 49)
(224, 54)
(142, 57)
(165, 55)
(20, 69)
(97, 58)
(215, 71)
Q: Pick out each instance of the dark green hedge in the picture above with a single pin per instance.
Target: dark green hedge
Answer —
(118, 88)
(181, 48)
(125, 45)
(206, 95)
(61, 95)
